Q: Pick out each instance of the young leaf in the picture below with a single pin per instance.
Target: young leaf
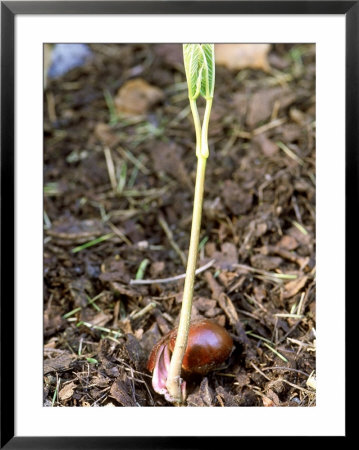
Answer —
(193, 63)
(208, 74)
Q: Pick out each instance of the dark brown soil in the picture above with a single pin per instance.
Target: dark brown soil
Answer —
(258, 225)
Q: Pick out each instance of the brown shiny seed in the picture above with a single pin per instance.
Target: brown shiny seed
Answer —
(209, 345)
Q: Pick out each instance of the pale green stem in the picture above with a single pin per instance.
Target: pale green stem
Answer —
(204, 137)
(197, 124)
(174, 374)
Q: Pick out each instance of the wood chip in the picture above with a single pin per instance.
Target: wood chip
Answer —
(226, 304)
(58, 364)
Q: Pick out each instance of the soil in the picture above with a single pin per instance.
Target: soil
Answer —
(119, 174)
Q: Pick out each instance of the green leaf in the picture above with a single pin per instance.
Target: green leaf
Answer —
(208, 73)
(200, 69)
(193, 63)
(92, 360)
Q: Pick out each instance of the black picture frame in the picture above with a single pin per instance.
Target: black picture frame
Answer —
(9, 10)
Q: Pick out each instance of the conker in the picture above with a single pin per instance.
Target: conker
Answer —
(208, 346)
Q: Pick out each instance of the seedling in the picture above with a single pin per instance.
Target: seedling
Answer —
(200, 74)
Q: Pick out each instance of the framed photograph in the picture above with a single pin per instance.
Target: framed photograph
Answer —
(176, 186)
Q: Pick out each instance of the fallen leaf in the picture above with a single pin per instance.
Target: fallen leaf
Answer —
(120, 289)
(109, 364)
(312, 309)
(242, 379)
(150, 337)
(287, 242)
(136, 97)
(262, 103)
(101, 319)
(293, 287)
(67, 391)
(261, 228)
(236, 199)
(53, 321)
(100, 381)
(138, 333)
(226, 278)
(265, 262)
(290, 132)
(50, 344)
(119, 391)
(278, 62)
(221, 320)
(125, 325)
(260, 293)
(80, 289)
(213, 209)
(115, 270)
(267, 401)
(268, 147)
(240, 102)
(227, 257)
(202, 396)
(171, 54)
(105, 134)
(157, 268)
(207, 306)
(226, 304)
(243, 56)
(203, 304)
(136, 354)
(271, 395)
(299, 116)
(76, 231)
(167, 158)
(303, 239)
(227, 398)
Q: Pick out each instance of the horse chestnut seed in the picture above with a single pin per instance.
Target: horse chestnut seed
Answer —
(208, 346)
